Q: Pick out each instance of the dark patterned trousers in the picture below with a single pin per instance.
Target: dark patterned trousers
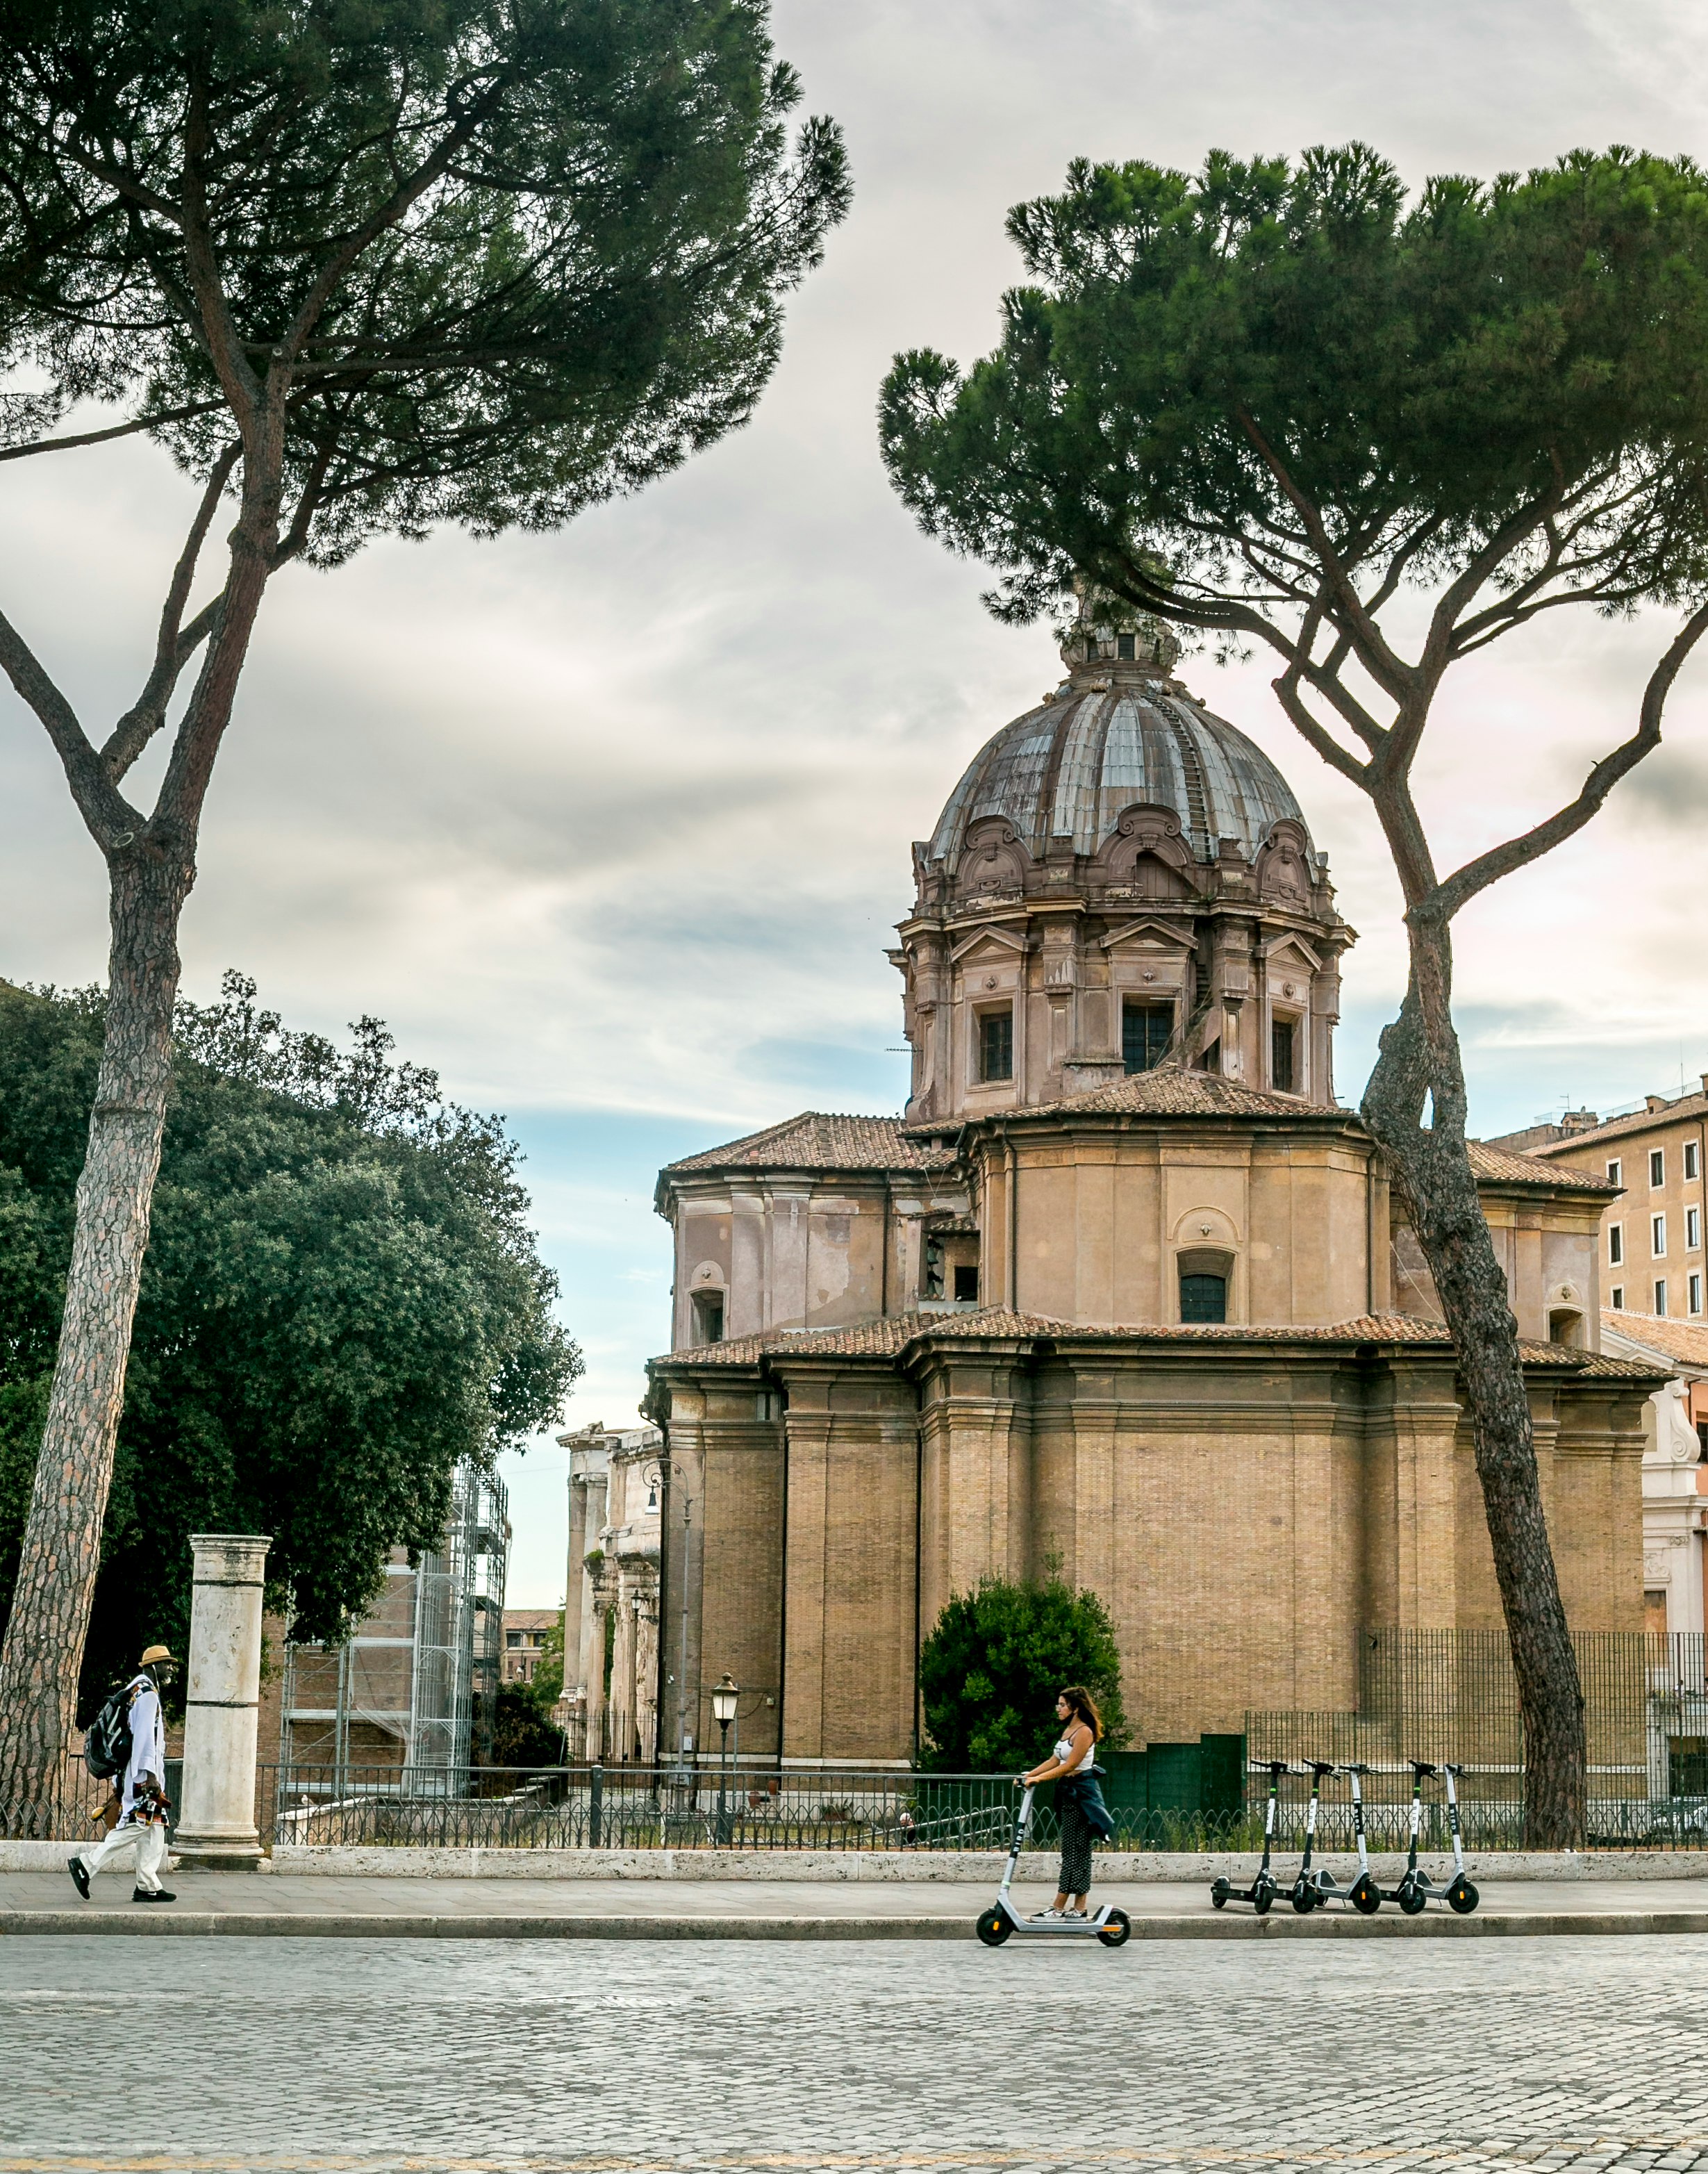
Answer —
(1076, 1848)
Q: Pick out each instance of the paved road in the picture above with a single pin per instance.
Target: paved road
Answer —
(376, 2056)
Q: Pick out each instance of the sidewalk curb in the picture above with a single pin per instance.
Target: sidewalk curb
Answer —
(232, 1924)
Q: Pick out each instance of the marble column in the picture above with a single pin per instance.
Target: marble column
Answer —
(216, 1818)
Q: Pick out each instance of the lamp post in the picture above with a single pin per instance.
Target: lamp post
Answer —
(725, 1697)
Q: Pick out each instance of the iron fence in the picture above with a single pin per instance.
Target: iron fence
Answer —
(1451, 1694)
(689, 1807)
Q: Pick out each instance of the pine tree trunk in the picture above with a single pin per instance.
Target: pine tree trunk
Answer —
(1420, 1064)
(41, 1656)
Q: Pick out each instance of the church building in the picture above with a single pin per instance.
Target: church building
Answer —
(1123, 1292)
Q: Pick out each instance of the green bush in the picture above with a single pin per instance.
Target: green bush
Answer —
(990, 1671)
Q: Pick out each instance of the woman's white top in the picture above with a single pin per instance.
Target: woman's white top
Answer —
(1067, 1757)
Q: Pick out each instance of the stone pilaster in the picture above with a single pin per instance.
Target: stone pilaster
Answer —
(216, 1825)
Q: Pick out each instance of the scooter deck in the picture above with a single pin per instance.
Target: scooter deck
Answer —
(1055, 1928)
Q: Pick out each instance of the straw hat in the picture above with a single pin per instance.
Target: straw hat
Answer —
(158, 1653)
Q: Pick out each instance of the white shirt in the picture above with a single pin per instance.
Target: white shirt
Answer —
(1068, 1759)
(147, 1738)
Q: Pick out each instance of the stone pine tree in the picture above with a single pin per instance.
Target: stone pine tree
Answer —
(358, 270)
(1285, 404)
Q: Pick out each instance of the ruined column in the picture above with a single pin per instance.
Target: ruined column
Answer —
(216, 1818)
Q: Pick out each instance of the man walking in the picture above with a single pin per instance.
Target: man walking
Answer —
(142, 1823)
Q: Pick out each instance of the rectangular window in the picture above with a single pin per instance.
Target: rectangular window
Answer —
(996, 1045)
(708, 1316)
(1616, 1245)
(1281, 1055)
(1616, 1298)
(1146, 1031)
(1123, 644)
(1614, 1171)
(1658, 1166)
(1657, 1235)
(966, 1281)
(512, 1637)
(1693, 1229)
(1696, 1293)
(1660, 1296)
(1690, 1169)
(1203, 1298)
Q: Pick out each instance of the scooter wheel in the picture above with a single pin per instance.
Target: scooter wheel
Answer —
(1367, 1897)
(993, 1929)
(1463, 1897)
(1412, 1900)
(1219, 1892)
(1261, 1897)
(1303, 1900)
(1116, 1930)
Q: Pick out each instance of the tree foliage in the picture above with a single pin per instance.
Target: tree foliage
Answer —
(991, 1668)
(466, 262)
(342, 1301)
(1265, 399)
(1284, 404)
(525, 1732)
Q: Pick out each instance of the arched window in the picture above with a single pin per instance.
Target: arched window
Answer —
(1203, 1298)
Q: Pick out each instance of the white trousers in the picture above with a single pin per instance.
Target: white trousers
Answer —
(147, 1837)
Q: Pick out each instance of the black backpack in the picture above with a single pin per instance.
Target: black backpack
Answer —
(106, 1747)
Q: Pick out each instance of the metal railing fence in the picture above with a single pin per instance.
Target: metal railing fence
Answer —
(684, 1808)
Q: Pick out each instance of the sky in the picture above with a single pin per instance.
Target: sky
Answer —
(612, 826)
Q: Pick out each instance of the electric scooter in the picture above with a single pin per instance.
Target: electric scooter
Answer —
(1264, 1888)
(1305, 1893)
(1001, 1921)
(1459, 1895)
(1413, 1889)
(1363, 1895)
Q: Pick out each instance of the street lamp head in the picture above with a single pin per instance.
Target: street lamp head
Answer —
(723, 1700)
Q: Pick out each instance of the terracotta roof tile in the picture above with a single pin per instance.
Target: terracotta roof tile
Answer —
(1171, 1090)
(1693, 1105)
(1686, 1341)
(1500, 1166)
(817, 1141)
(888, 1338)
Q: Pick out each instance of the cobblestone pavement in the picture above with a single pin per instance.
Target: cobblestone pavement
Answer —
(375, 2057)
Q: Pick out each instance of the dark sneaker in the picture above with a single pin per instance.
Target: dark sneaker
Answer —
(151, 1895)
(79, 1875)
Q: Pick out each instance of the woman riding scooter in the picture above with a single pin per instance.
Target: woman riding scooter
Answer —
(1079, 1802)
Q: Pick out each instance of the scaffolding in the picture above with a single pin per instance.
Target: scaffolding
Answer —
(406, 1703)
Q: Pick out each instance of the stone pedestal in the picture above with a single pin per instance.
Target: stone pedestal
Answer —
(216, 1817)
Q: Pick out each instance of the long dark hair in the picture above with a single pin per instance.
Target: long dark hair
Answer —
(1085, 1708)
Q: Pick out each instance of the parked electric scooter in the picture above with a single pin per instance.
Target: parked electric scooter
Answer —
(1000, 1920)
(1415, 1888)
(1413, 1892)
(1264, 1888)
(1305, 1893)
(1459, 1895)
(1363, 1895)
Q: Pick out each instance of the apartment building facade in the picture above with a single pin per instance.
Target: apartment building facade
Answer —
(1652, 1256)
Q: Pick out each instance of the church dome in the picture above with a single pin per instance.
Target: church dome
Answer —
(1117, 732)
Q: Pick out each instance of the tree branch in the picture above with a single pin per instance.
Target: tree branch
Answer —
(1489, 867)
(176, 644)
(116, 431)
(112, 822)
(1390, 670)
